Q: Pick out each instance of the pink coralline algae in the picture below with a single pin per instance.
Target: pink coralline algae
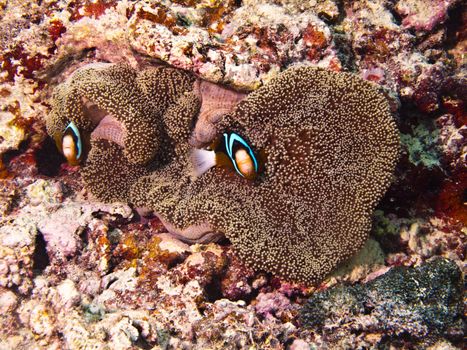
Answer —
(393, 56)
(453, 132)
(270, 304)
(424, 16)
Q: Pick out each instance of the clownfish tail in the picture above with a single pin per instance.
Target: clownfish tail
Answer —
(202, 160)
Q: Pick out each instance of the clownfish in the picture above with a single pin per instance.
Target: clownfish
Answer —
(70, 144)
(230, 151)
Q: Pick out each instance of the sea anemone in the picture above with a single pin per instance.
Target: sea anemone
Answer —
(324, 146)
(330, 147)
(118, 103)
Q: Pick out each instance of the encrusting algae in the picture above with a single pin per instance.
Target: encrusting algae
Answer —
(327, 143)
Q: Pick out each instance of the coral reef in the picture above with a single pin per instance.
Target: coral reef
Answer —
(425, 303)
(110, 276)
(203, 38)
(17, 250)
(423, 16)
(19, 106)
(395, 57)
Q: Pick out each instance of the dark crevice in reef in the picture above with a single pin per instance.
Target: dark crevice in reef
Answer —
(48, 75)
(213, 290)
(84, 237)
(397, 17)
(48, 158)
(9, 155)
(456, 25)
(142, 343)
(406, 199)
(341, 8)
(343, 44)
(40, 259)
(415, 186)
(344, 52)
(224, 242)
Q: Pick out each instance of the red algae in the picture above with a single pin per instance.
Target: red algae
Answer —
(236, 283)
(315, 41)
(162, 16)
(457, 108)
(375, 48)
(215, 17)
(155, 261)
(127, 249)
(452, 200)
(207, 270)
(90, 8)
(56, 29)
(17, 61)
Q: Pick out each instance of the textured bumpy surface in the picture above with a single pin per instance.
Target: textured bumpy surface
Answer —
(329, 141)
(331, 147)
(136, 101)
(107, 174)
(428, 299)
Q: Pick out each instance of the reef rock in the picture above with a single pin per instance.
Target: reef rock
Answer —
(423, 303)
(108, 276)
(219, 41)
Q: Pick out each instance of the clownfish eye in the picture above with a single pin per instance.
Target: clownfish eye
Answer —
(241, 156)
(72, 146)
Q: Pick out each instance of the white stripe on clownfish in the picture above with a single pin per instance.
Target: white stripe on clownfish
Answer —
(243, 160)
(229, 143)
(79, 145)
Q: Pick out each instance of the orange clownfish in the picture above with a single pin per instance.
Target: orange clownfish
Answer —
(232, 151)
(70, 143)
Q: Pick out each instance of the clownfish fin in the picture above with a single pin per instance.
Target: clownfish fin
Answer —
(202, 160)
